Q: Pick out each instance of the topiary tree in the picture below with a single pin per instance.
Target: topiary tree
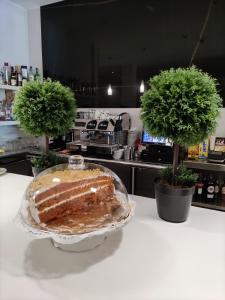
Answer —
(45, 108)
(182, 105)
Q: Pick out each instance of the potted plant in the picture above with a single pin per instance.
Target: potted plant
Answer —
(181, 104)
(44, 161)
(39, 163)
(44, 109)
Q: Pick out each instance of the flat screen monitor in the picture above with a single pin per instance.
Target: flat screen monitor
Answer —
(147, 138)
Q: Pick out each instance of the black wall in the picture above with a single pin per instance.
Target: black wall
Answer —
(91, 44)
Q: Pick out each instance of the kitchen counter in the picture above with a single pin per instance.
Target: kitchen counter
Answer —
(200, 165)
(149, 259)
(135, 163)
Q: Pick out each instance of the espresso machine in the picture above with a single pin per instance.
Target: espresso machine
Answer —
(100, 137)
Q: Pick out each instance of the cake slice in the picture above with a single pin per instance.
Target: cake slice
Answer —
(72, 195)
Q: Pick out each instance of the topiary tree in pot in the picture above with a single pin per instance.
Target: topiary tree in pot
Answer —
(181, 104)
(45, 109)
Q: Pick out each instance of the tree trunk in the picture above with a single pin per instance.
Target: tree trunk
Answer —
(175, 158)
(44, 144)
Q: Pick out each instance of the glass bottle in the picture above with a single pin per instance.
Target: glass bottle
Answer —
(19, 76)
(31, 74)
(2, 111)
(223, 194)
(8, 112)
(13, 77)
(24, 74)
(204, 191)
(6, 73)
(210, 190)
(199, 189)
(37, 76)
(1, 76)
(216, 191)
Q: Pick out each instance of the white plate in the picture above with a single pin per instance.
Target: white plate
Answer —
(2, 171)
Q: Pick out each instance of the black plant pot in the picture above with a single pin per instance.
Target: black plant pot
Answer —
(173, 204)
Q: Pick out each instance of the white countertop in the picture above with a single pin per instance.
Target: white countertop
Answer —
(150, 259)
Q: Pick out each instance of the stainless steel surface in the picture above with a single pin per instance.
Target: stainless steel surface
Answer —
(216, 161)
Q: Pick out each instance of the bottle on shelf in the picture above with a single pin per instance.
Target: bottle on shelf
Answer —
(223, 194)
(1, 76)
(204, 190)
(216, 190)
(137, 143)
(24, 73)
(8, 112)
(2, 111)
(6, 73)
(31, 74)
(37, 75)
(199, 189)
(210, 188)
(19, 76)
(13, 80)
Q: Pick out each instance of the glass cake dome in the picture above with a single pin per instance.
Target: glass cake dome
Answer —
(75, 199)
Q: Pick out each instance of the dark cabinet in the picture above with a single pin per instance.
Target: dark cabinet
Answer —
(17, 164)
(123, 171)
(138, 180)
(144, 181)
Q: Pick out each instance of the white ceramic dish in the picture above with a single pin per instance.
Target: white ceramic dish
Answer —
(71, 242)
(2, 171)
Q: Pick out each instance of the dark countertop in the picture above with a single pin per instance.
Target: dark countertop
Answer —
(20, 152)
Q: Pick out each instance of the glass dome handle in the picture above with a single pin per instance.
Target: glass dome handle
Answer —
(76, 162)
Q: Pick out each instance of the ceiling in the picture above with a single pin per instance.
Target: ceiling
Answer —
(29, 4)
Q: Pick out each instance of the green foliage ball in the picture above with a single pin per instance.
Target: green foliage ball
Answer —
(183, 178)
(45, 108)
(182, 105)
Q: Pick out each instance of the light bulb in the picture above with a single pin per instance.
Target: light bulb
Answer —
(142, 87)
(109, 91)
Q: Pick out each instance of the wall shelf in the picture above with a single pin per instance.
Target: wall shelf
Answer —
(204, 165)
(210, 206)
(6, 123)
(9, 87)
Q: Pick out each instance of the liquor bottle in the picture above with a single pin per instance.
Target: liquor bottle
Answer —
(204, 190)
(2, 111)
(199, 189)
(223, 194)
(13, 77)
(37, 76)
(6, 73)
(31, 74)
(24, 74)
(210, 190)
(1, 76)
(19, 76)
(8, 112)
(216, 190)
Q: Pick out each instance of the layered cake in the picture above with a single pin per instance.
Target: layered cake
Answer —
(77, 195)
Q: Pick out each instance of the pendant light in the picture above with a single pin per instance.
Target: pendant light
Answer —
(142, 87)
(109, 90)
